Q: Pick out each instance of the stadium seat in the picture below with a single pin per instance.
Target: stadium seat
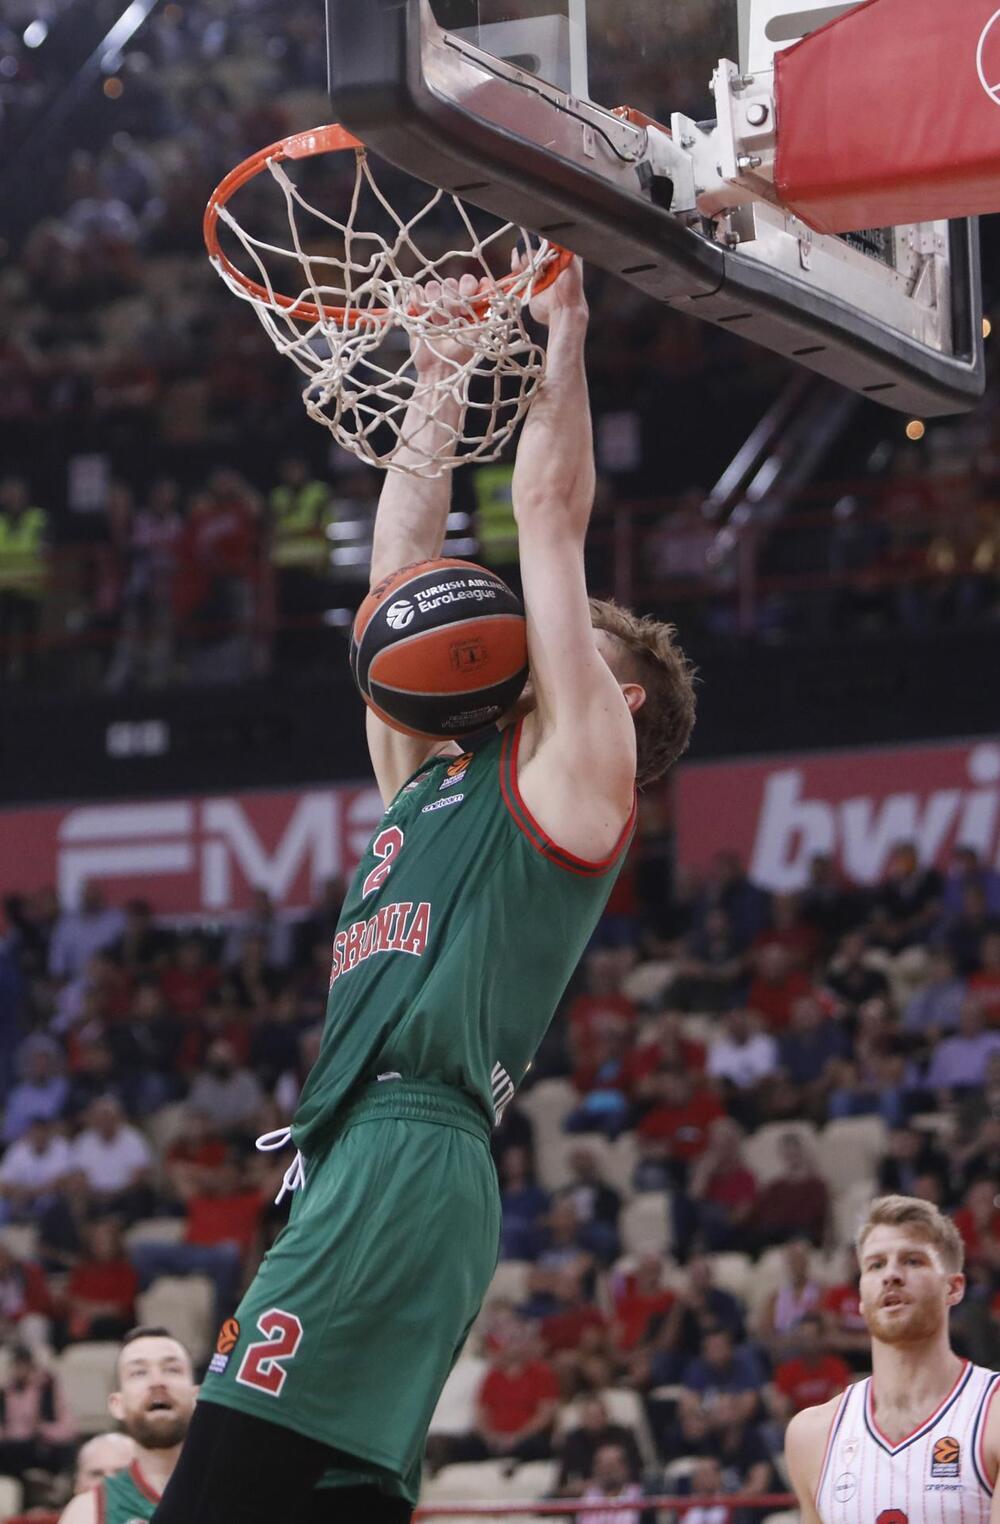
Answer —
(548, 1104)
(467, 1482)
(849, 1207)
(20, 1239)
(552, 1163)
(762, 1152)
(532, 1480)
(765, 1277)
(186, 1305)
(166, 1125)
(87, 1374)
(11, 1493)
(941, 1123)
(645, 1224)
(678, 1471)
(158, 1230)
(622, 1161)
(850, 1150)
(456, 1409)
(510, 1281)
(700, 1028)
(732, 1272)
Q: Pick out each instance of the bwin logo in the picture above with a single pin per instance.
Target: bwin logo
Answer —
(399, 614)
(988, 58)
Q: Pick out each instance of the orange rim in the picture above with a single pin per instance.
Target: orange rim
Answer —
(305, 145)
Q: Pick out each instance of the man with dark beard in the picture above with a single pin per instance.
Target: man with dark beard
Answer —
(918, 1441)
(154, 1402)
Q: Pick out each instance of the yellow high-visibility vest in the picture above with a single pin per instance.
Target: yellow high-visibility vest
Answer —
(300, 517)
(22, 552)
(496, 527)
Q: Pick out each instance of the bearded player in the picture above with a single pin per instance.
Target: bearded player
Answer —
(918, 1442)
(363, 1304)
(154, 1402)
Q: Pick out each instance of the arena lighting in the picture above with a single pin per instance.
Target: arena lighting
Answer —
(987, 328)
(125, 28)
(916, 429)
(35, 33)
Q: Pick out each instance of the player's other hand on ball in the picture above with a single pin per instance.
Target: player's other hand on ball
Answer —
(564, 295)
(448, 306)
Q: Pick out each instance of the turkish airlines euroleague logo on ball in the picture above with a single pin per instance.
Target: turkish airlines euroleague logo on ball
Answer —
(399, 614)
(988, 58)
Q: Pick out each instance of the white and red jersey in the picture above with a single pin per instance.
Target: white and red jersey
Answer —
(936, 1475)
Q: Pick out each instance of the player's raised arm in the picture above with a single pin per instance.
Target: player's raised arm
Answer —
(583, 724)
(411, 521)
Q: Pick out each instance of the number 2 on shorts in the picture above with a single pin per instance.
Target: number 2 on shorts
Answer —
(261, 1366)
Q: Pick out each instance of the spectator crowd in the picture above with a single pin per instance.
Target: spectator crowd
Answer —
(731, 1076)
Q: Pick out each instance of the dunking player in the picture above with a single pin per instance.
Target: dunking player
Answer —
(918, 1442)
(154, 1402)
(359, 1310)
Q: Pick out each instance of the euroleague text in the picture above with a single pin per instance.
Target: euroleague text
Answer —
(400, 927)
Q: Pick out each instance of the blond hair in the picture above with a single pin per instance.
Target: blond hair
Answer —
(664, 723)
(926, 1221)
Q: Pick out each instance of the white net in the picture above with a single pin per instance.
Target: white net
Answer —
(373, 319)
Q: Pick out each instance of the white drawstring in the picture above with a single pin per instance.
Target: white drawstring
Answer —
(294, 1178)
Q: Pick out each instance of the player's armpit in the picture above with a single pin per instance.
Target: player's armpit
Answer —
(82, 1509)
(395, 757)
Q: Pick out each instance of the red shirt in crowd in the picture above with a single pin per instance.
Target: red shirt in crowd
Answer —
(511, 1399)
(972, 1233)
(844, 1305)
(645, 1060)
(591, 1016)
(986, 987)
(774, 999)
(565, 1330)
(186, 990)
(634, 1311)
(224, 1219)
(685, 1127)
(113, 1281)
(732, 1187)
(806, 1383)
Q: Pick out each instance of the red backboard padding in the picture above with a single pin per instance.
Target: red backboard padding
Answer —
(891, 114)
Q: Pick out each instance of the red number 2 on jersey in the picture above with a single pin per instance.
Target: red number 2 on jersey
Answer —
(386, 844)
(261, 1365)
(892, 1516)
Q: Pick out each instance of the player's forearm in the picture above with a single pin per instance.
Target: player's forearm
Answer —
(554, 478)
(412, 514)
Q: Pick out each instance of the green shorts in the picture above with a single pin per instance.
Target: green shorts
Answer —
(361, 1307)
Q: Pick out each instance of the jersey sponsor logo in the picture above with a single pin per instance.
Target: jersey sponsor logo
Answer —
(845, 1487)
(399, 614)
(399, 927)
(503, 1091)
(442, 804)
(946, 1457)
(228, 1338)
(456, 772)
(849, 1450)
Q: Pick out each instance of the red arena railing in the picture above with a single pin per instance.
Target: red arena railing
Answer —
(770, 1502)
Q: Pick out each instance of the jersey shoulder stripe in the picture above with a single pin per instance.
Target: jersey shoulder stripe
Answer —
(838, 1419)
(979, 1432)
(539, 838)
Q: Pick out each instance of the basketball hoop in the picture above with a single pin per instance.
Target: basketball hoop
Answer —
(361, 305)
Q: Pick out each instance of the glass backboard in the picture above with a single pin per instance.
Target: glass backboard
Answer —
(512, 104)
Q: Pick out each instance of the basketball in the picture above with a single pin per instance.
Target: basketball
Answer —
(440, 648)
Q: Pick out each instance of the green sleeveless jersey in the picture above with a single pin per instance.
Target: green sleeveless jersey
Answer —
(459, 934)
(126, 1497)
